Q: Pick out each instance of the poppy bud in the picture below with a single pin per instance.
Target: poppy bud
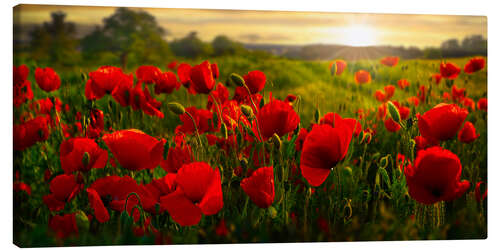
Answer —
(347, 171)
(272, 212)
(176, 108)
(393, 110)
(247, 111)
(384, 161)
(276, 141)
(86, 159)
(237, 79)
(82, 221)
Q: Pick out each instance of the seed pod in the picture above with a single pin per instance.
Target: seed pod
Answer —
(394, 112)
(237, 79)
(176, 108)
(247, 111)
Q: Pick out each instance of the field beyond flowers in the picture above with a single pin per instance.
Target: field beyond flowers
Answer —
(237, 150)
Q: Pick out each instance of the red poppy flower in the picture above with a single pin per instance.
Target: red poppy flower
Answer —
(391, 125)
(100, 211)
(353, 124)
(324, 147)
(403, 84)
(141, 99)
(380, 96)
(202, 78)
(20, 74)
(449, 70)
(413, 100)
(221, 95)
(446, 97)
(148, 74)
(202, 117)
(435, 176)
(172, 65)
(477, 192)
(404, 112)
(64, 226)
(301, 137)
(260, 187)
(28, 133)
(277, 117)
(390, 61)
(441, 122)
(458, 94)
(63, 188)
(42, 106)
(198, 192)
(255, 81)
(381, 111)
(482, 104)
(21, 186)
(469, 103)
(81, 154)
(166, 83)
(96, 125)
(362, 76)
(134, 149)
(340, 66)
(468, 133)
(177, 157)
(215, 70)
(437, 78)
(151, 193)
(47, 79)
(290, 98)
(423, 143)
(104, 80)
(401, 161)
(475, 64)
(421, 93)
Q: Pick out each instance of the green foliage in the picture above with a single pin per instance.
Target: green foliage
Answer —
(191, 47)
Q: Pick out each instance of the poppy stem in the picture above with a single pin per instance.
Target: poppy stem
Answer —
(195, 128)
(255, 108)
(217, 105)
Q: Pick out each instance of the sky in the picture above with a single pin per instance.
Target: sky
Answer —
(286, 27)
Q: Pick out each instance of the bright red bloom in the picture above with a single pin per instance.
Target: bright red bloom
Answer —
(100, 211)
(20, 74)
(215, 70)
(172, 65)
(380, 96)
(458, 94)
(290, 98)
(362, 76)
(104, 80)
(403, 84)
(437, 78)
(423, 143)
(469, 103)
(449, 70)
(340, 66)
(421, 93)
(177, 157)
(81, 154)
(391, 125)
(352, 123)
(435, 176)
(441, 122)
(166, 83)
(148, 74)
(386, 95)
(63, 188)
(42, 106)
(28, 133)
(47, 79)
(404, 112)
(324, 147)
(64, 226)
(468, 133)
(260, 187)
(446, 97)
(381, 111)
(390, 61)
(482, 104)
(475, 64)
(413, 100)
(255, 81)
(96, 125)
(277, 117)
(202, 78)
(477, 192)
(221, 95)
(202, 117)
(198, 192)
(134, 149)
(21, 186)
(301, 137)
(141, 99)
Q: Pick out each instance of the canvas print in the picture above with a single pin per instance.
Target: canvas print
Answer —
(138, 126)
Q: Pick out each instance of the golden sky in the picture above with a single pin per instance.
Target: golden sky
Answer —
(280, 27)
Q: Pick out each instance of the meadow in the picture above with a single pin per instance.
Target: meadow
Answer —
(241, 173)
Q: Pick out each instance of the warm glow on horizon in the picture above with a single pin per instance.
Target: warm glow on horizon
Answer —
(358, 35)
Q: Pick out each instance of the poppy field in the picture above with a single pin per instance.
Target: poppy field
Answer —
(242, 150)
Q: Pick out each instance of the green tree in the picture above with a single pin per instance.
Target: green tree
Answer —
(55, 42)
(222, 45)
(128, 34)
(191, 46)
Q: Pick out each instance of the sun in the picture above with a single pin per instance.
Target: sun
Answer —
(358, 35)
